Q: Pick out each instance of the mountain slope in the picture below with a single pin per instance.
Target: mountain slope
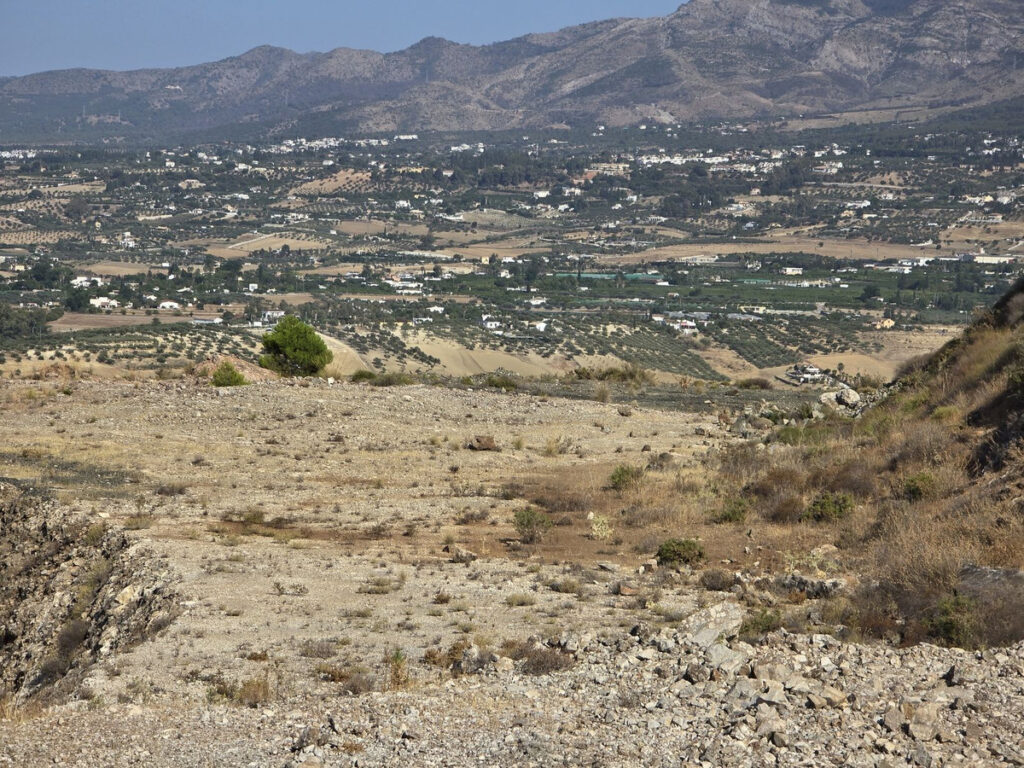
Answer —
(709, 59)
(925, 490)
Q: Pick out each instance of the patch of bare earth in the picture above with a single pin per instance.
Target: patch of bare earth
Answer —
(349, 586)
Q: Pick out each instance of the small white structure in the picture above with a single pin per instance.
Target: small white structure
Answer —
(87, 282)
(271, 316)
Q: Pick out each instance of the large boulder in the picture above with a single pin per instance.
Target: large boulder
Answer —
(848, 397)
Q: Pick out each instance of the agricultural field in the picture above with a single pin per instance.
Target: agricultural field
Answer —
(156, 349)
(689, 256)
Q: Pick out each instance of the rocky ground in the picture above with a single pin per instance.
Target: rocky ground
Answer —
(346, 588)
(687, 696)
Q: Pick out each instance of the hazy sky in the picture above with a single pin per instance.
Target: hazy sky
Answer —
(129, 34)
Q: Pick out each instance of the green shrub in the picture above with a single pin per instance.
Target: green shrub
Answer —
(519, 600)
(566, 586)
(94, 534)
(717, 580)
(947, 413)
(363, 375)
(227, 375)
(626, 476)
(71, 637)
(294, 349)
(761, 623)
(537, 659)
(630, 373)
(733, 511)
(501, 381)
(393, 379)
(955, 622)
(531, 524)
(544, 661)
(919, 486)
(1015, 379)
(754, 383)
(253, 517)
(784, 506)
(680, 552)
(828, 507)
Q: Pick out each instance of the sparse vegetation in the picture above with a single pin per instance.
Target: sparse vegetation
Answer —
(378, 541)
(531, 524)
(626, 477)
(761, 623)
(829, 507)
(226, 375)
(675, 552)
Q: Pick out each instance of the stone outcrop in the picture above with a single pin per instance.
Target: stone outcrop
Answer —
(72, 591)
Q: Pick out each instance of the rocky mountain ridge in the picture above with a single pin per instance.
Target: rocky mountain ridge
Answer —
(710, 59)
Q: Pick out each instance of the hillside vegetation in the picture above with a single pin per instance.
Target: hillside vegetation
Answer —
(903, 524)
(924, 490)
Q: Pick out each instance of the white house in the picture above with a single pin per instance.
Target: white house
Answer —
(685, 327)
(491, 323)
(168, 305)
(272, 315)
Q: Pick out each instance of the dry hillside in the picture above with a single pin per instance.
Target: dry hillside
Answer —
(294, 572)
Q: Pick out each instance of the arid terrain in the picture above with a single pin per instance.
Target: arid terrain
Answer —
(644, 393)
(347, 587)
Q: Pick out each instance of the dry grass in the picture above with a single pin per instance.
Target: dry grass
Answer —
(251, 692)
(352, 679)
(13, 712)
(900, 491)
(537, 659)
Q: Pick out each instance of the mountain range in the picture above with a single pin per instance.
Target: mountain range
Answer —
(711, 59)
